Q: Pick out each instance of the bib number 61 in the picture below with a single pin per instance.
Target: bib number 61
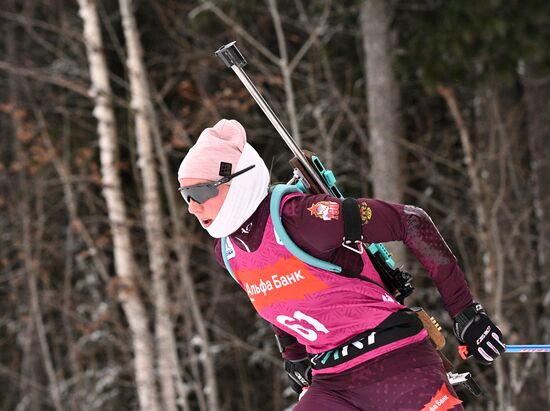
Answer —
(294, 325)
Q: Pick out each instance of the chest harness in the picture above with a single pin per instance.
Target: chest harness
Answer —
(396, 281)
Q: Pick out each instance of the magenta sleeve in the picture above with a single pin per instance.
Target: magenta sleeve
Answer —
(424, 240)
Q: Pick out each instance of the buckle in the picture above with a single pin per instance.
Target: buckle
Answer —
(359, 245)
(465, 379)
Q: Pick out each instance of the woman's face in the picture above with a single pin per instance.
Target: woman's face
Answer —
(207, 211)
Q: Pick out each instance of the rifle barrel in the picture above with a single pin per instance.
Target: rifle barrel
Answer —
(232, 57)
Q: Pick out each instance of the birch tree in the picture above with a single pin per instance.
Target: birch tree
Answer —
(156, 241)
(146, 128)
(125, 265)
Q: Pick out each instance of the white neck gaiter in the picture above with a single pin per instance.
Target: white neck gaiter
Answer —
(245, 194)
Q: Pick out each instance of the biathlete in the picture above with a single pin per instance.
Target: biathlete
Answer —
(345, 339)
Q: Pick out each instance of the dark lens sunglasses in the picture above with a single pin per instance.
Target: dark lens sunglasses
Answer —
(200, 193)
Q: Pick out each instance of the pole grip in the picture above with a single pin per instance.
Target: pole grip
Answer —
(231, 55)
(463, 350)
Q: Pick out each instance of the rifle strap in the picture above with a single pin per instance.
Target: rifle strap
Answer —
(278, 192)
(353, 233)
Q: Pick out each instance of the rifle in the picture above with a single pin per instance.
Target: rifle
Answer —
(310, 176)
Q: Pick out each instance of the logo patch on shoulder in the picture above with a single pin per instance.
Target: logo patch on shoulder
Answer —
(365, 212)
(325, 210)
(229, 250)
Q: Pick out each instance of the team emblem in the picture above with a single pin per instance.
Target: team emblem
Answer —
(365, 212)
(325, 210)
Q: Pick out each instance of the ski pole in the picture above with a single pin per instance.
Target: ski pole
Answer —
(463, 350)
(528, 348)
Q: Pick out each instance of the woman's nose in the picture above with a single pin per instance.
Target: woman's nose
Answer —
(194, 207)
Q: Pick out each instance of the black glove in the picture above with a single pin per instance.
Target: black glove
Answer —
(482, 337)
(299, 374)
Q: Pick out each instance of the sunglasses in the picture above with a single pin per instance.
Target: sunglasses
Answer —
(200, 193)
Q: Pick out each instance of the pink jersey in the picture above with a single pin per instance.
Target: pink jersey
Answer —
(323, 310)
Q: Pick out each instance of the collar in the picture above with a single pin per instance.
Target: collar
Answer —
(249, 235)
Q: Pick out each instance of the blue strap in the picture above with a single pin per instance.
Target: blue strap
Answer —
(278, 192)
(225, 260)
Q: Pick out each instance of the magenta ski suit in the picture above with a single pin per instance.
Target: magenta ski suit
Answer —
(325, 311)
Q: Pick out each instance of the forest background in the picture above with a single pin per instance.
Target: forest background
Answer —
(110, 298)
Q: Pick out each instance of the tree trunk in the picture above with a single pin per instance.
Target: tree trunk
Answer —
(385, 127)
(537, 103)
(488, 232)
(31, 272)
(125, 264)
(482, 216)
(383, 102)
(142, 109)
(147, 135)
(29, 394)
